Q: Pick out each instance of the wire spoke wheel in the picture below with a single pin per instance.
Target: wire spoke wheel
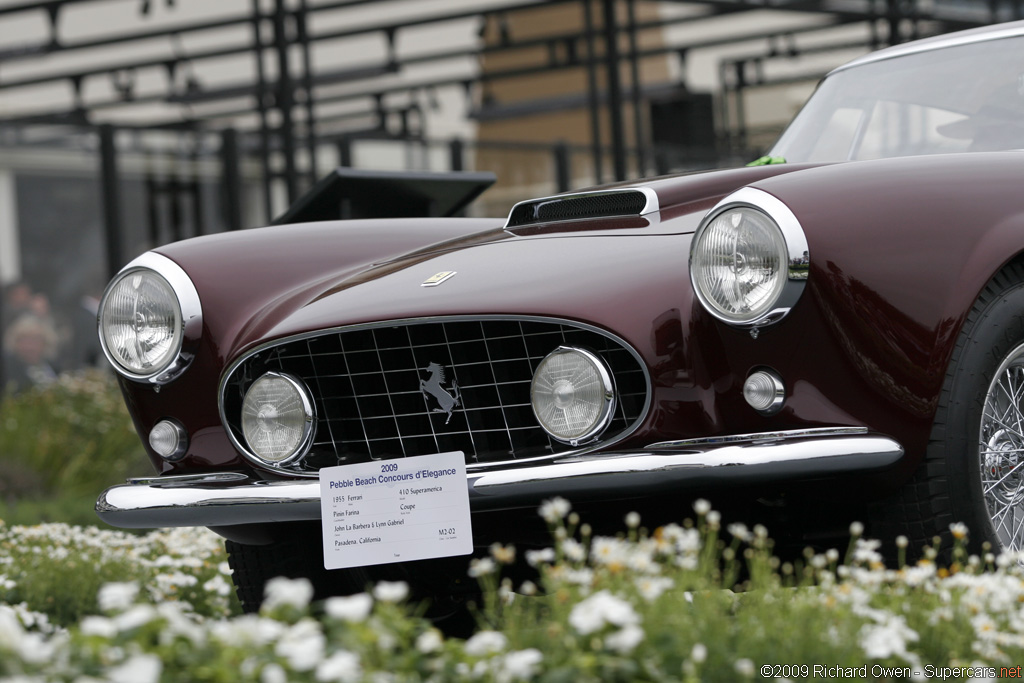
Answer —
(1001, 451)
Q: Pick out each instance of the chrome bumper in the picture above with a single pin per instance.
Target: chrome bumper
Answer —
(229, 498)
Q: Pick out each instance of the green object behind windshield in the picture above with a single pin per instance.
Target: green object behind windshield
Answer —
(767, 161)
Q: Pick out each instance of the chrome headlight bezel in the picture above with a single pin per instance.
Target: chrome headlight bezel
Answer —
(188, 318)
(793, 276)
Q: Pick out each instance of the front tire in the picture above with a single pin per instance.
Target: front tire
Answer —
(253, 565)
(974, 467)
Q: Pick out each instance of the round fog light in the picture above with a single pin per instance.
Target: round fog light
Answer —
(169, 440)
(764, 392)
(277, 418)
(572, 395)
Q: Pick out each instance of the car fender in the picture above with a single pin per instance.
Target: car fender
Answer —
(899, 251)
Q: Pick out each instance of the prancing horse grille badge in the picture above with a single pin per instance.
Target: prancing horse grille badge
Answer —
(447, 399)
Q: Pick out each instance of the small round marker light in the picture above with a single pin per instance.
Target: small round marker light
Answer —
(169, 440)
(764, 392)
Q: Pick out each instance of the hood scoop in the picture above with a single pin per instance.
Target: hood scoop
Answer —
(628, 201)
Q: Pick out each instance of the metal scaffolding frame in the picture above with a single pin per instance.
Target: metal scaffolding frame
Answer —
(292, 98)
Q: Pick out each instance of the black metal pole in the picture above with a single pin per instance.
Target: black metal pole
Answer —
(153, 190)
(456, 149)
(592, 95)
(174, 199)
(894, 15)
(563, 170)
(111, 199)
(634, 70)
(345, 151)
(724, 117)
(661, 163)
(302, 29)
(285, 100)
(741, 111)
(611, 56)
(457, 162)
(261, 105)
(195, 187)
(231, 174)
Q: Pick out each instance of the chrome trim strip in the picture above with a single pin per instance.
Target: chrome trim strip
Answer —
(442, 319)
(171, 480)
(191, 500)
(669, 471)
(968, 37)
(191, 316)
(758, 437)
(652, 204)
(796, 245)
(140, 506)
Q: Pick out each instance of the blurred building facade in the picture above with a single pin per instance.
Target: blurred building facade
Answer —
(125, 124)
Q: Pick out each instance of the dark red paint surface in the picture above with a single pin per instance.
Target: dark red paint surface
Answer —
(899, 250)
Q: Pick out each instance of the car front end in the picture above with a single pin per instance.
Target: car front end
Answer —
(824, 337)
(618, 344)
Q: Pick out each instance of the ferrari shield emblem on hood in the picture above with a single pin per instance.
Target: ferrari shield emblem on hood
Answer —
(437, 279)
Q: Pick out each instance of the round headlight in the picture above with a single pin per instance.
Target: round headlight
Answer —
(140, 323)
(740, 264)
(572, 395)
(150, 320)
(277, 418)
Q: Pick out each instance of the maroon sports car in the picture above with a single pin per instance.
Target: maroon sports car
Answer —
(354, 399)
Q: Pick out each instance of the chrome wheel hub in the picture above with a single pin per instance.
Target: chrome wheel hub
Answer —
(1001, 451)
(1002, 461)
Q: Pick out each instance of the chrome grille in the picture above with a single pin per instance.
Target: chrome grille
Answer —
(366, 385)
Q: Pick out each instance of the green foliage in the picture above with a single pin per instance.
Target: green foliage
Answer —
(77, 510)
(72, 438)
(58, 570)
(688, 602)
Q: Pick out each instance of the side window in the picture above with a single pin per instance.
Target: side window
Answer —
(904, 129)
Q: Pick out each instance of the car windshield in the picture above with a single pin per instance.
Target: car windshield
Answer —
(956, 99)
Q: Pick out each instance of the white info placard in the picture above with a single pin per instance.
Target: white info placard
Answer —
(395, 510)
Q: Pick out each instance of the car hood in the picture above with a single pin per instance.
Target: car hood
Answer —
(272, 283)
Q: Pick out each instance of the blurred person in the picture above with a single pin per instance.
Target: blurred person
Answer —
(30, 343)
(17, 301)
(39, 305)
